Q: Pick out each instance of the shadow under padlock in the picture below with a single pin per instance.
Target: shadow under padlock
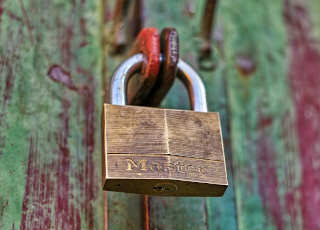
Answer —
(163, 152)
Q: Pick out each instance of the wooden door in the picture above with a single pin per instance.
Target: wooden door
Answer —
(263, 78)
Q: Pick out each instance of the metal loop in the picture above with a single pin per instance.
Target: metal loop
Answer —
(189, 77)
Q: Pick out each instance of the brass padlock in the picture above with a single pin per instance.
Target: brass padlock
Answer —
(162, 151)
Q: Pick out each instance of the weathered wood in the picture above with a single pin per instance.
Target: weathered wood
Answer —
(259, 103)
(50, 98)
(302, 22)
(178, 213)
(192, 213)
(265, 153)
(264, 84)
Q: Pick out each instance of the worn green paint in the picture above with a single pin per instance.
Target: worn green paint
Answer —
(261, 110)
(180, 213)
(30, 43)
(210, 213)
(261, 145)
(313, 7)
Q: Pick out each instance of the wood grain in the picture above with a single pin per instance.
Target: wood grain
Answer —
(264, 86)
(182, 213)
(49, 73)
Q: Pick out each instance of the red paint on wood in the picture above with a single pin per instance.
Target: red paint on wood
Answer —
(268, 180)
(89, 135)
(27, 21)
(264, 122)
(245, 65)
(9, 84)
(304, 75)
(58, 74)
(107, 14)
(64, 212)
(65, 45)
(1, 11)
(83, 30)
(63, 217)
(33, 215)
(13, 16)
(86, 92)
(49, 183)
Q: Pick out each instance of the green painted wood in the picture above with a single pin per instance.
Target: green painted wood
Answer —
(54, 65)
(265, 153)
(124, 211)
(177, 213)
(302, 25)
(193, 213)
(120, 214)
(49, 126)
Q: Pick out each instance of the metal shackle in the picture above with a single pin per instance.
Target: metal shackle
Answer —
(189, 77)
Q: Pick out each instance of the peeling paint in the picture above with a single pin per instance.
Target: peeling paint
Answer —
(304, 65)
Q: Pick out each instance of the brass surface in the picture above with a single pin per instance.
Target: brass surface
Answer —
(162, 151)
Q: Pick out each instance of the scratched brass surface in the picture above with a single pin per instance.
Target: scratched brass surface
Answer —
(162, 152)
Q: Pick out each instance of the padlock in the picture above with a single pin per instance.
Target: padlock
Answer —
(159, 151)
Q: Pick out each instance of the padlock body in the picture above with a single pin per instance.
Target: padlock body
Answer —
(162, 151)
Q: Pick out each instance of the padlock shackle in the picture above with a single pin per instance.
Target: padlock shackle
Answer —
(121, 77)
(189, 77)
(194, 85)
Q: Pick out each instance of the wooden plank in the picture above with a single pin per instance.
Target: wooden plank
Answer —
(192, 213)
(122, 210)
(50, 98)
(49, 103)
(47, 127)
(174, 213)
(265, 154)
(302, 22)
